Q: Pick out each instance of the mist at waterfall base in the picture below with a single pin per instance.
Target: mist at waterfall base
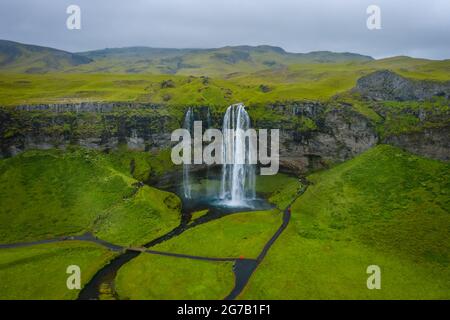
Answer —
(227, 187)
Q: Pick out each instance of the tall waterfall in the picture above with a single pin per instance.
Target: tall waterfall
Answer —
(188, 123)
(238, 175)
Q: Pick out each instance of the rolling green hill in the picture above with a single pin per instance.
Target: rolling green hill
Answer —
(24, 58)
(385, 207)
(206, 62)
(52, 193)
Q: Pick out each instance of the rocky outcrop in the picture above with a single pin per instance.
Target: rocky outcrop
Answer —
(313, 135)
(93, 125)
(387, 85)
(431, 142)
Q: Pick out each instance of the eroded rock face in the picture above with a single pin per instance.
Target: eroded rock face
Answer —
(387, 85)
(92, 125)
(312, 134)
(338, 133)
(432, 142)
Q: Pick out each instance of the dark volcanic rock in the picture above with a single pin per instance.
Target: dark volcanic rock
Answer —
(312, 134)
(94, 125)
(387, 85)
(431, 142)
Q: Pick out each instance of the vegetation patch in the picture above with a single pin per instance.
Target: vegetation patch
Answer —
(233, 236)
(157, 277)
(39, 272)
(46, 194)
(385, 207)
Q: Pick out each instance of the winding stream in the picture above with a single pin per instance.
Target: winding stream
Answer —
(242, 268)
(104, 278)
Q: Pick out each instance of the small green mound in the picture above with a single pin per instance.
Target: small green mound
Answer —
(39, 272)
(232, 236)
(45, 194)
(167, 278)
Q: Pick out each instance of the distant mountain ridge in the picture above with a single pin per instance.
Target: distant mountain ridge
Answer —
(24, 58)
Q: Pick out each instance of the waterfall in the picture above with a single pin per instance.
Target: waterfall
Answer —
(188, 123)
(209, 191)
(134, 137)
(238, 175)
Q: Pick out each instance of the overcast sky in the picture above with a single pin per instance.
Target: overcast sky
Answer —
(418, 28)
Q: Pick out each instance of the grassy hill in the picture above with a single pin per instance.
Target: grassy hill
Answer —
(206, 62)
(385, 207)
(45, 194)
(21, 58)
(39, 272)
(24, 58)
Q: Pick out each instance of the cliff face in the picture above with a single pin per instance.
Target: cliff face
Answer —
(94, 125)
(312, 134)
(431, 142)
(387, 85)
(330, 135)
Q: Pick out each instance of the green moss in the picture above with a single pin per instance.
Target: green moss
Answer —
(50, 193)
(279, 189)
(241, 234)
(412, 116)
(197, 214)
(384, 207)
(158, 277)
(39, 272)
(305, 124)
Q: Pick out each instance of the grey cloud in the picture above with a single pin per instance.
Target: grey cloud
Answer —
(416, 27)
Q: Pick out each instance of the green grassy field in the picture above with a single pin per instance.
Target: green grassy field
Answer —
(233, 236)
(51, 193)
(159, 277)
(279, 189)
(317, 81)
(385, 207)
(39, 272)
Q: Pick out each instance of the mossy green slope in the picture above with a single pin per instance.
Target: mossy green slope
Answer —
(45, 194)
(39, 272)
(232, 236)
(385, 207)
(156, 277)
(24, 58)
(279, 189)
